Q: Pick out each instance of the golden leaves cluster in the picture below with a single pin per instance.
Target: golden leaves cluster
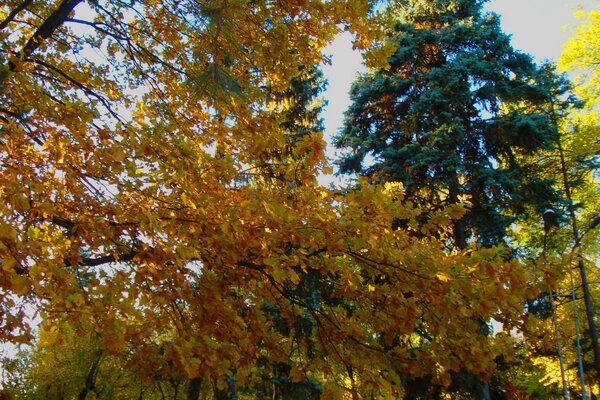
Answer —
(133, 204)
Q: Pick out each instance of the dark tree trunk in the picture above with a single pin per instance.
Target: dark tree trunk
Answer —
(193, 390)
(90, 379)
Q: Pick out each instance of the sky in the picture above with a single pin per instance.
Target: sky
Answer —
(537, 27)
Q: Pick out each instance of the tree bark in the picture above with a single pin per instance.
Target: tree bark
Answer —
(193, 389)
(90, 379)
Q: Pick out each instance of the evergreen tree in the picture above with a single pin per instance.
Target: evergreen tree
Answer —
(439, 119)
(297, 111)
(452, 118)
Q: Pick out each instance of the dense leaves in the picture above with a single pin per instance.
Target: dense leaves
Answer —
(451, 115)
(160, 213)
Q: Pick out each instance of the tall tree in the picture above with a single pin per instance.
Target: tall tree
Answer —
(126, 131)
(568, 241)
(436, 119)
(449, 117)
(297, 110)
(581, 57)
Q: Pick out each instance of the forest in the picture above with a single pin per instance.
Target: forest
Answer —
(164, 235)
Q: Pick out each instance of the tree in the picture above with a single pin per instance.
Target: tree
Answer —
(581, 55)
(436, 119)
(145, 205)
(298, 111)
(576, 156)
(450, 118)
(66, 365)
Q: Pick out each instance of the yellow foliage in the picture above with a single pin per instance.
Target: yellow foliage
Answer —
(139, 207)
(581, 55)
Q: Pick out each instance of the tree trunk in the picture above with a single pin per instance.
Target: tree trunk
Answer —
(458, 227)
(460, 241)
(90, 379)
(47, 29)
(193, 390)
(587, 297)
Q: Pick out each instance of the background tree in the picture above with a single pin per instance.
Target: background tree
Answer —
(451, 118)
(298, 112)
(581, 56)
(66, 365)
(437, 120)
(574, 161)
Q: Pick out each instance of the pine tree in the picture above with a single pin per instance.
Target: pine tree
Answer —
(297, 111)
(450, 117)
(298, 114)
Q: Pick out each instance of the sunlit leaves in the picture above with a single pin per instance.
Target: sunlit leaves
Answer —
(160, 209)
(582, 55)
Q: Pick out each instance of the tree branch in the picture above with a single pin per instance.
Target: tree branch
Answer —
(46, 30)
(93, 262)
(84, 88)
(10, 17)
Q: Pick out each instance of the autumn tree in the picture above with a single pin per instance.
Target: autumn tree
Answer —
(150, 202)
(556, 241)
(65, 365)
(574, 161)
(581, 55)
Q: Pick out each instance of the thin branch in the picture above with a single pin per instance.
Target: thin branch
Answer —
(98, 27)
(10, 17)
(63, 222)
(81, 86)
(371, 263)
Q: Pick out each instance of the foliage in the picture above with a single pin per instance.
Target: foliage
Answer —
(581, 55)
(574, 161)
(67, 366)
(450, 115)
(160, 213)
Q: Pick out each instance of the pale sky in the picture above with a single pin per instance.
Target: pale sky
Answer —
(538, 27)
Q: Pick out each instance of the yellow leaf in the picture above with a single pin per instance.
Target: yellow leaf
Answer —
(20, 285)
(117, 154)
(221, 384)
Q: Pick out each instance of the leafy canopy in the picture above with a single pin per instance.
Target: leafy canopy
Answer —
(159, 197)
